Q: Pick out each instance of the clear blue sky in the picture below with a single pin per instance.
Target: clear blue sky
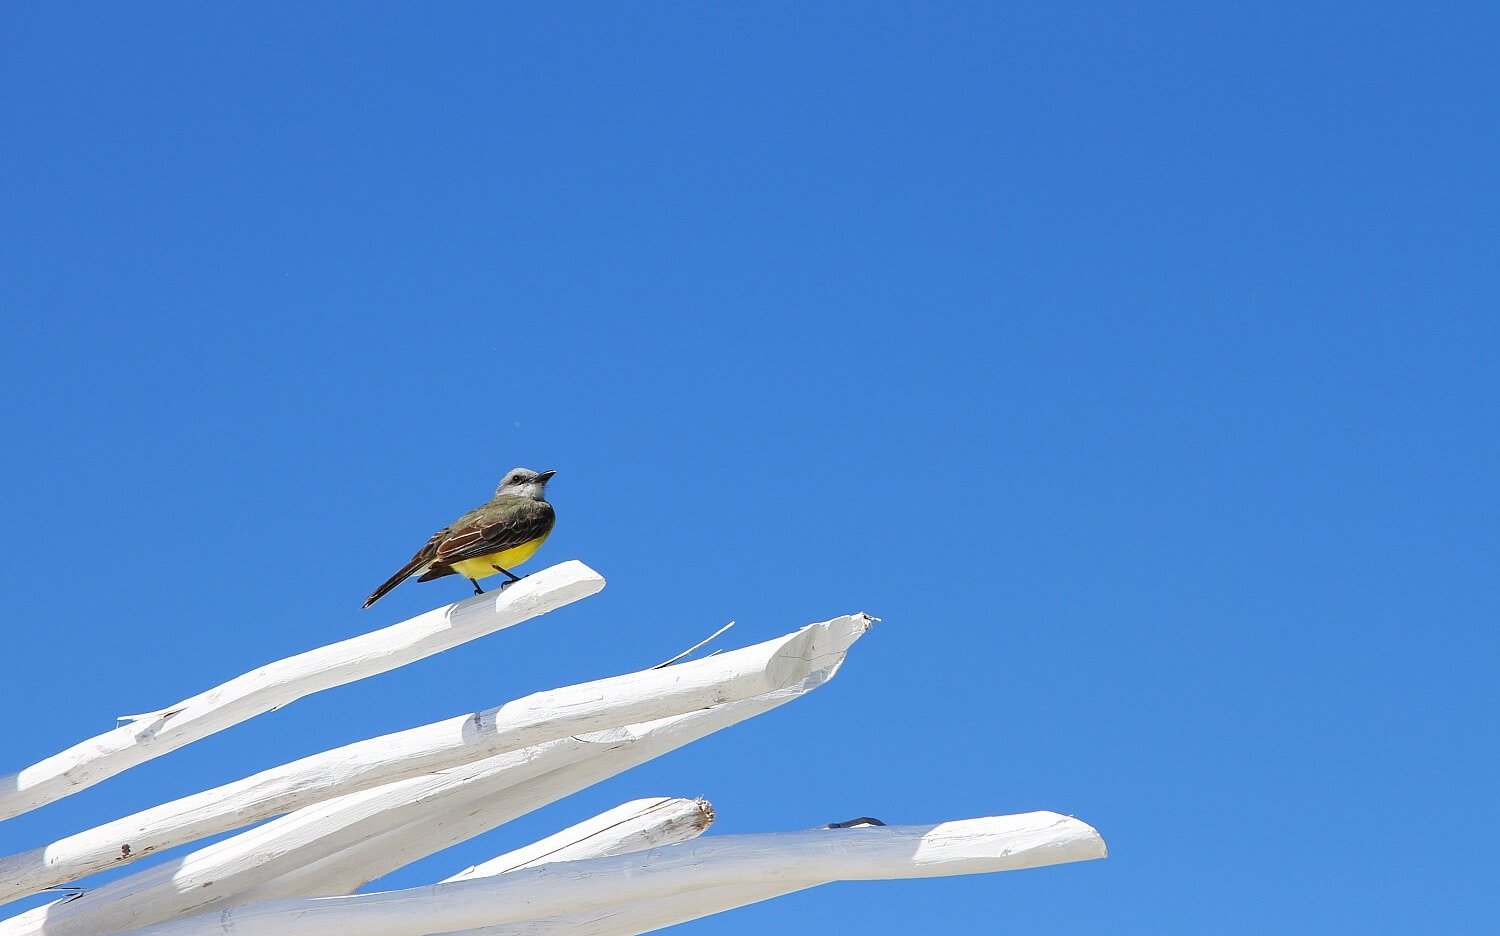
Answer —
(1135, 364)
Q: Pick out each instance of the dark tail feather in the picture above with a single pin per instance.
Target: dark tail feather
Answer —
(393, 581)
(423, 556)
(435, 572)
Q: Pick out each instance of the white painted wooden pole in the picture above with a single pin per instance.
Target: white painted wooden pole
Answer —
(969, 846)
(542, 716)
(356, 838)
(630, 827)
(276, 684)
(628, 919)
(499, 797)
(506, 790)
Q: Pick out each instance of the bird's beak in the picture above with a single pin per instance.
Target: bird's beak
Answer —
(546, 476)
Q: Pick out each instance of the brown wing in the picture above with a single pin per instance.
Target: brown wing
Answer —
(501, 524)
(423, 556)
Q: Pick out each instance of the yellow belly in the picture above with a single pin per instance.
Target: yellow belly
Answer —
(506, 559)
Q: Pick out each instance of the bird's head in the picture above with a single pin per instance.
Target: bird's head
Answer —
(523, 482)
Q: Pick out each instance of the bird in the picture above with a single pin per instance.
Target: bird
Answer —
(491, 538)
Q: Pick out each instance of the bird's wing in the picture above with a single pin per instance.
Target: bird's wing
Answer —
(493, 528)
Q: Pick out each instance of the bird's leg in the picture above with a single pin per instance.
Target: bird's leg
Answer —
(477, 589)
(508, 573)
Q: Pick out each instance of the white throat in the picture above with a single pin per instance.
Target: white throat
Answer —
(532, 489)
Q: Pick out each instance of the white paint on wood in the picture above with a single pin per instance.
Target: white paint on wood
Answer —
(970, 846)
(630, 827)
(543, 716)
(335, 846)
(645, 916)
(276, 684)
(508, 789)
(473, 804)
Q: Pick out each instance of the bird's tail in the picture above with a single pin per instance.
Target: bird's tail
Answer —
(423, 556)
(394, 580)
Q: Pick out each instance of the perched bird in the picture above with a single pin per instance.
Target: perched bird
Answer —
(503, 533)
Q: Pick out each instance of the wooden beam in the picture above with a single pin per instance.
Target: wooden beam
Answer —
(276, 684)
(630, 827)
(971, 846)
(337, 845)
(543, 716)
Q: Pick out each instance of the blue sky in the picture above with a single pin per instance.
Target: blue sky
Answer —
(1133, 364)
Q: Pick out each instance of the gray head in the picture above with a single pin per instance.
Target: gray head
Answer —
(523, 482)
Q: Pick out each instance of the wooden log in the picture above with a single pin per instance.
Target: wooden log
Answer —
(335, 846)
(276, 684)
(513, 790)
(971, 846)
(646, 916)
(543, 716)
(630, 827)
